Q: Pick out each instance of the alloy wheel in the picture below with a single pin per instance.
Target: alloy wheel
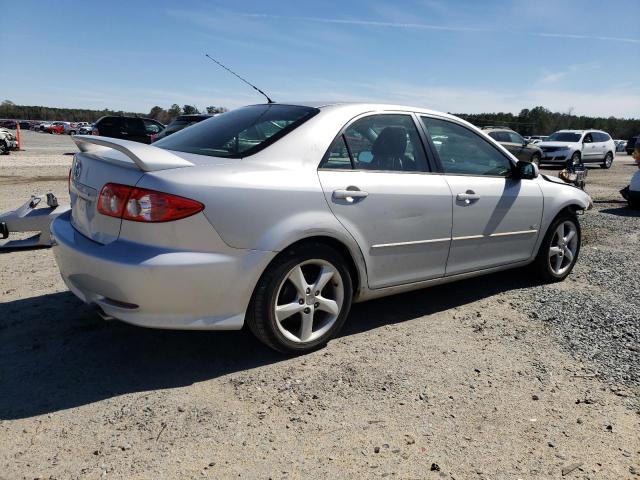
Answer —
(608, 160)
(309, 300)
(564, 245)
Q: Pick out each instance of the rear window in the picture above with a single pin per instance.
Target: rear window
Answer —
(239, 133)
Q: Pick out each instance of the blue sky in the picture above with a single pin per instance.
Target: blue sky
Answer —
(458, 56)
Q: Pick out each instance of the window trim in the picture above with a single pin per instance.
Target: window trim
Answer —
(429, 162)
(481, 137)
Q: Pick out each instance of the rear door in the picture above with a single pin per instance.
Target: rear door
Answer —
(590, 151)
(496, 218)
(378, 183)
(111, 127)
(601, 144)
(135, 130)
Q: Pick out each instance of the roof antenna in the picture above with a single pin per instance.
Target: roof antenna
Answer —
(234, 73)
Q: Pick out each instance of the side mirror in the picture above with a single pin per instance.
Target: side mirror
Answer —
(526, 170)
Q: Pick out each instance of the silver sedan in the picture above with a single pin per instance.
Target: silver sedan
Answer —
(281, 216)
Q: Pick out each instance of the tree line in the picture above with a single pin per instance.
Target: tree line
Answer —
(9, 110)
(535, 121)
(541, 121)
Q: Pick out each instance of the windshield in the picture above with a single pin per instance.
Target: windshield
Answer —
(238, 133)
(564, 137)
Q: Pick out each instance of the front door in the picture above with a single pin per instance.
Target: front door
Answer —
(496, 218)
(377, 182)
(590, 152)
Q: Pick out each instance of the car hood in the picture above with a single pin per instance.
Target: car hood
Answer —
(557, 144)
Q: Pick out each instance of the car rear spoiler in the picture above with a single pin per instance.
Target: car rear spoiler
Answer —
(147, 157)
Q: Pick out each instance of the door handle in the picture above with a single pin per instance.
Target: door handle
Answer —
(468, 197)
(350, 194)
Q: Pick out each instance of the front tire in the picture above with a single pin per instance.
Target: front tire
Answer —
(302, 299)
(608, 161)
(559, 249)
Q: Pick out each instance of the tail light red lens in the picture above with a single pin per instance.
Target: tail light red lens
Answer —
(142, 205)
(95, 132)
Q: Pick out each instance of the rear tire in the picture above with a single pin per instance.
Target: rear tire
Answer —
(559, 249)
(302, 299)
(608, 160)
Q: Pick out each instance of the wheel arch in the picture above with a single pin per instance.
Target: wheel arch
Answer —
(571, 208)
(354, 259)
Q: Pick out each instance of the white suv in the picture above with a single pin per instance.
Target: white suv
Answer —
(592, 146)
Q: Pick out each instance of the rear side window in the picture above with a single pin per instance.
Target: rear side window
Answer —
(134, 125)
(239, 133)
(500, 136)
(378, 142)
(109, 122)
(601, 137)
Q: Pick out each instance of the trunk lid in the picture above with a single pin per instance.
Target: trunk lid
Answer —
(108, 160)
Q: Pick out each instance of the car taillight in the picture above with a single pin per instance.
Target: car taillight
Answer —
(142, 205)
(95, 131)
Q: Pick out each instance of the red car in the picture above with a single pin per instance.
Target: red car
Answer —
(56, 127)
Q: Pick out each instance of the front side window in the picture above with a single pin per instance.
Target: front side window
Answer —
(239, 133)
(462, 152)
(151, 127)
(378, 142)
(515, 138)
(588, 138)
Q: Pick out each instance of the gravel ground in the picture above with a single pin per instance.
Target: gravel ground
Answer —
(490, 378)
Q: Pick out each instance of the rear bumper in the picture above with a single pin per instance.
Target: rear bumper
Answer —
(154, 287)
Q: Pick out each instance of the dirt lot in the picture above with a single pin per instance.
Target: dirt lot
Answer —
(491, 378)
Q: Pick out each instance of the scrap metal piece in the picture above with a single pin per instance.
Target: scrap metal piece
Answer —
(29, 218)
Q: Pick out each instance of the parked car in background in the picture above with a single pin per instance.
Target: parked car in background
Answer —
(183, 121)
(535, 139)
(620, 145)
(85, 129)
(590, 146)
(74, 127)
(135, 129)
(515, 143)
(8, 141)
(25, 124)
(272, 216)
(631, 145)
(58, 127)
(11, 124)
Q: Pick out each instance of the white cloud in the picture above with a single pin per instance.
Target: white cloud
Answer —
(426, 26)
